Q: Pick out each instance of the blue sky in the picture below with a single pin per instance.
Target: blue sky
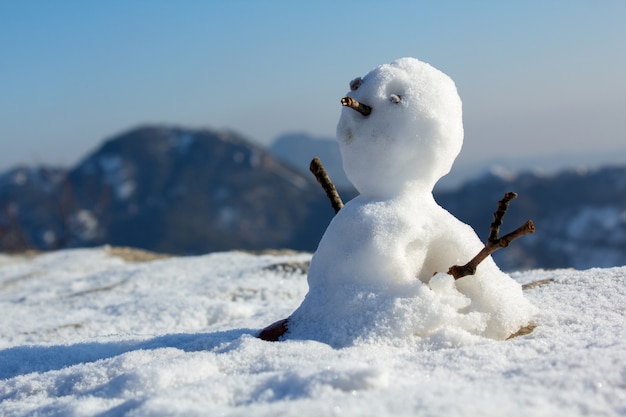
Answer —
(535, 76)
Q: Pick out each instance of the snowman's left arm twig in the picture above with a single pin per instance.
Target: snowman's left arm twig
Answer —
(493, 242)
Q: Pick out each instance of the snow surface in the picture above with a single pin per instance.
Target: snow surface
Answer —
(85, 333)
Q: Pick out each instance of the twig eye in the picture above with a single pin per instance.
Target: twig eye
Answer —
(394, 98)
(355, 84)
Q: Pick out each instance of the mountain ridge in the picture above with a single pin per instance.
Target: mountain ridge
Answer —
(178, 190)
(189, 191)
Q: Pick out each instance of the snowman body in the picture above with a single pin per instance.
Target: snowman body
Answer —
(372, 275)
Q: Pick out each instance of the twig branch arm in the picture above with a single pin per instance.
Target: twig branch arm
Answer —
(493, 242)
(498, 215)
(322, 177)
(459, 271)
(274, 331)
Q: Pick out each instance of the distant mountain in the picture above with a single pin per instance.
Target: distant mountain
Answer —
(186, 191)
(172, 190)
(30, 207)
(297, 149)
(540, 164)
(580, 216)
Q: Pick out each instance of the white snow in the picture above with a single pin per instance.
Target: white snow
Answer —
(597, 224)
(118, 175)
(85, 333)
(593, 235)
(85, 225)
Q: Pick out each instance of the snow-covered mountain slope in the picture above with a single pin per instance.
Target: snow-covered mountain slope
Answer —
(580, 216)
(166, 189)
(189, 191)
(87, 333)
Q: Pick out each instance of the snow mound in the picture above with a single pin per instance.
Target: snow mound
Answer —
(85, 333)
(362, 280)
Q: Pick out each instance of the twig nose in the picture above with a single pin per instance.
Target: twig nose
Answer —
(353, 104)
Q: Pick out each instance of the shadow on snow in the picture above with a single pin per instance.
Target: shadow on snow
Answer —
(21, 360)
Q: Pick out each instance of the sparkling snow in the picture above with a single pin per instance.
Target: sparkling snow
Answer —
(85, 333)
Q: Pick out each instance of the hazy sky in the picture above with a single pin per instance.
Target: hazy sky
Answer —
(535, 76)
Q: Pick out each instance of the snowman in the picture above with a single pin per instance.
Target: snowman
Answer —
(379, 270)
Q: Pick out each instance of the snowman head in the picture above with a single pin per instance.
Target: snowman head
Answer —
(400, 129)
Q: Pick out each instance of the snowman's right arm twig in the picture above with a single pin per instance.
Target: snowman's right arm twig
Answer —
(274, 331)
(493, 242)
(322, 177)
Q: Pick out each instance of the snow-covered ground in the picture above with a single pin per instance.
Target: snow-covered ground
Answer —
(86, 333)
